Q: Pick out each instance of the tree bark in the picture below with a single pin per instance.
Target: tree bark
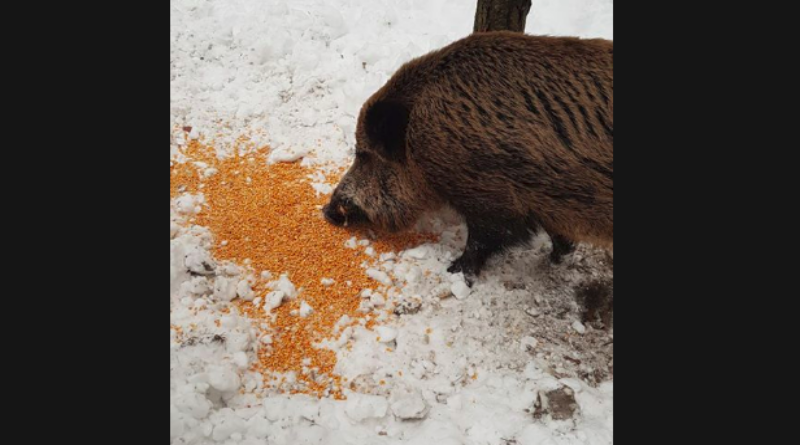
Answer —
(501, 15)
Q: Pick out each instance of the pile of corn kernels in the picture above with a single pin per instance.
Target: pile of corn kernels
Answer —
(267, 219)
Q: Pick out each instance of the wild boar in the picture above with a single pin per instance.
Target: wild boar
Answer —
(514, 132)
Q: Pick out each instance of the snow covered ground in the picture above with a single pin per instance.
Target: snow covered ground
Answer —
(467, 367)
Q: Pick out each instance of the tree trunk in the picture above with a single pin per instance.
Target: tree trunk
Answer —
(501, 15)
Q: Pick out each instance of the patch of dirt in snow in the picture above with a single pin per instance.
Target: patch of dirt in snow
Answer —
(522, 310)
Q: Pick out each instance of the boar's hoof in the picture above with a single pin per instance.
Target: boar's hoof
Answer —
(465, 265)
(561, 247)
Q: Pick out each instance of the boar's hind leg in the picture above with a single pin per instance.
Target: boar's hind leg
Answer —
(485, 238)
(561, 246)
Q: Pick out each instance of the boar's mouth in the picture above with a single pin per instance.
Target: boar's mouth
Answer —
(344, 213)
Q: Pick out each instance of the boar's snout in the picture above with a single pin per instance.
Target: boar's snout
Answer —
(343, 212)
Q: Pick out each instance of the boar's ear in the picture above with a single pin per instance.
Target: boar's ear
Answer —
(385, 123)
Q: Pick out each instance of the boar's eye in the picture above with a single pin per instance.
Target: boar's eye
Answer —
(362, 155)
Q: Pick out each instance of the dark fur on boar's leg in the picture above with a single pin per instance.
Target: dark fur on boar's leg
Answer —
(514, 132)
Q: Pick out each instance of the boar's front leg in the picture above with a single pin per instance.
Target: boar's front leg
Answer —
(480, 246)
(485, 238)
(561, 246)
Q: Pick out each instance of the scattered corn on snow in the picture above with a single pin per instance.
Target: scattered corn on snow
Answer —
(464, 364)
